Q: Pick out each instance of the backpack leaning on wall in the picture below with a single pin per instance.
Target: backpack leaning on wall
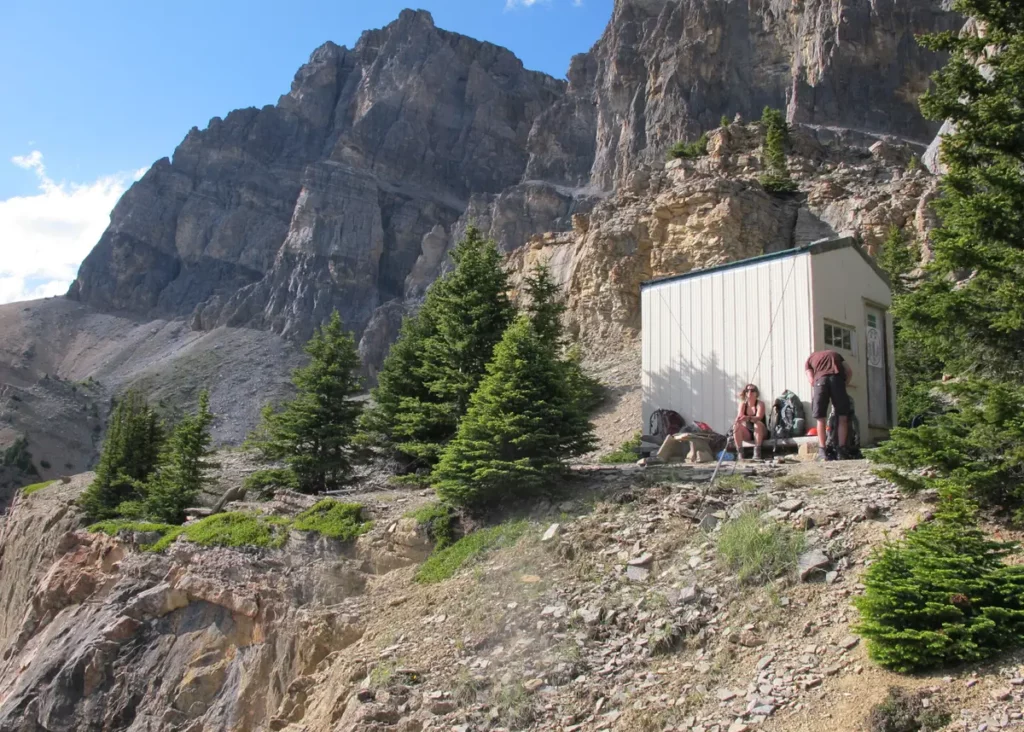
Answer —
(852, 435)
(787, 417)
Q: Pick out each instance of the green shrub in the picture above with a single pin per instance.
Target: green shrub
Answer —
(343, 521)
(263, 483)
(689, 150)
(627, 452)
(976, 446)
(30, 489)
(725, 121)
(445, 563)
(904, 711)
(438, 519)
(943, 595)
(758, 549)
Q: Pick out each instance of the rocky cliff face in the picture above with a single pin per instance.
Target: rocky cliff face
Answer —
(274, 217)
(691, 214)
(349, 192)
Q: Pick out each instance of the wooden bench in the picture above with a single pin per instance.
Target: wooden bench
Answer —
(786, 442)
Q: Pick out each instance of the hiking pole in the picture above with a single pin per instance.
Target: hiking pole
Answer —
(721, 456)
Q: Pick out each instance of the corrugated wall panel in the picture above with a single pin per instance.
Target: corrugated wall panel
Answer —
(703, 337)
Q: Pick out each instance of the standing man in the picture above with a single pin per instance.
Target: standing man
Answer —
(829, 375)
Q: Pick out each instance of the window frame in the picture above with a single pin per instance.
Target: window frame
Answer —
(847, 335)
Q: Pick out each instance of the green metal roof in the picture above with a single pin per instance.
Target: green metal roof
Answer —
(817, 247)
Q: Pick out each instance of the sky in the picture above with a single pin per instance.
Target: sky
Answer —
(95, 92)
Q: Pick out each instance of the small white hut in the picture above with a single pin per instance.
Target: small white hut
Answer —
(709, 332)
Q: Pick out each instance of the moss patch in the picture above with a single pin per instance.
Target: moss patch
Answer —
(445, 563)
(241, 529)
(332, 518)
(437, 518)
(30, 489)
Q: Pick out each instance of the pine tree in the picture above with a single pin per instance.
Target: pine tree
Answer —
(776, 136)
(943, 595)
(521, 424)
(916, 366)
(545, 307)
(966, 318)
(313, 433)
(427, 380)
(184, 469)
(976, 323)
(130, 453)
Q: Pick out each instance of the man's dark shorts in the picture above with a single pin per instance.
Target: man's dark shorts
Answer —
(830, 388)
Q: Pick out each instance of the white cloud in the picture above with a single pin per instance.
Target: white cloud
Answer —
(44, 237)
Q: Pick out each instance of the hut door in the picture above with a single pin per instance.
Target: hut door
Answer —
(877, 351)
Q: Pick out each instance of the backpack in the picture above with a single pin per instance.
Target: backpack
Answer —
(665, 422)
(787, 417)
(852, 434)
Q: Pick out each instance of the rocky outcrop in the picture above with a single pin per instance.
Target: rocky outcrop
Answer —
(692, 214)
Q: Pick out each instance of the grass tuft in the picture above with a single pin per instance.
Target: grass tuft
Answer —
(445, 563)
(513, 705)
(30, 489)
(627, 452)
(758, 549)
(800, 479)
(738, 483)
(343, 521)
(903, 710)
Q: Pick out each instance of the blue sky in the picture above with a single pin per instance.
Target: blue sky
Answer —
(94, 92)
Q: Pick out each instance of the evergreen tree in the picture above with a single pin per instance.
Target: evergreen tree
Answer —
(545, 307)
(521, 424)
(184, 468)
(943, 595)
(967, 317)
(776, 136)
(916, 366)
(427, 380)
(899, 258)
(975, 323)
(130, 453)
(313, 433)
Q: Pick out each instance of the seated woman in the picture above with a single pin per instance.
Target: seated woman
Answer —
(750, 426)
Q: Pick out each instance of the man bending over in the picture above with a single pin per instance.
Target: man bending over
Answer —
(829, 375)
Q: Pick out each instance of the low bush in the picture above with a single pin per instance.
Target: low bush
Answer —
(263, 483)
(445, 563)
(627, 452)
(758, 549)
(438, 518)
(241, 529)
(943, 595)
(904, 711)
(343, 521)
(30, 489)
(689, 150)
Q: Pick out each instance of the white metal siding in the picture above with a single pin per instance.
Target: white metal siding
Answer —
(843, 282)
(705, 337)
